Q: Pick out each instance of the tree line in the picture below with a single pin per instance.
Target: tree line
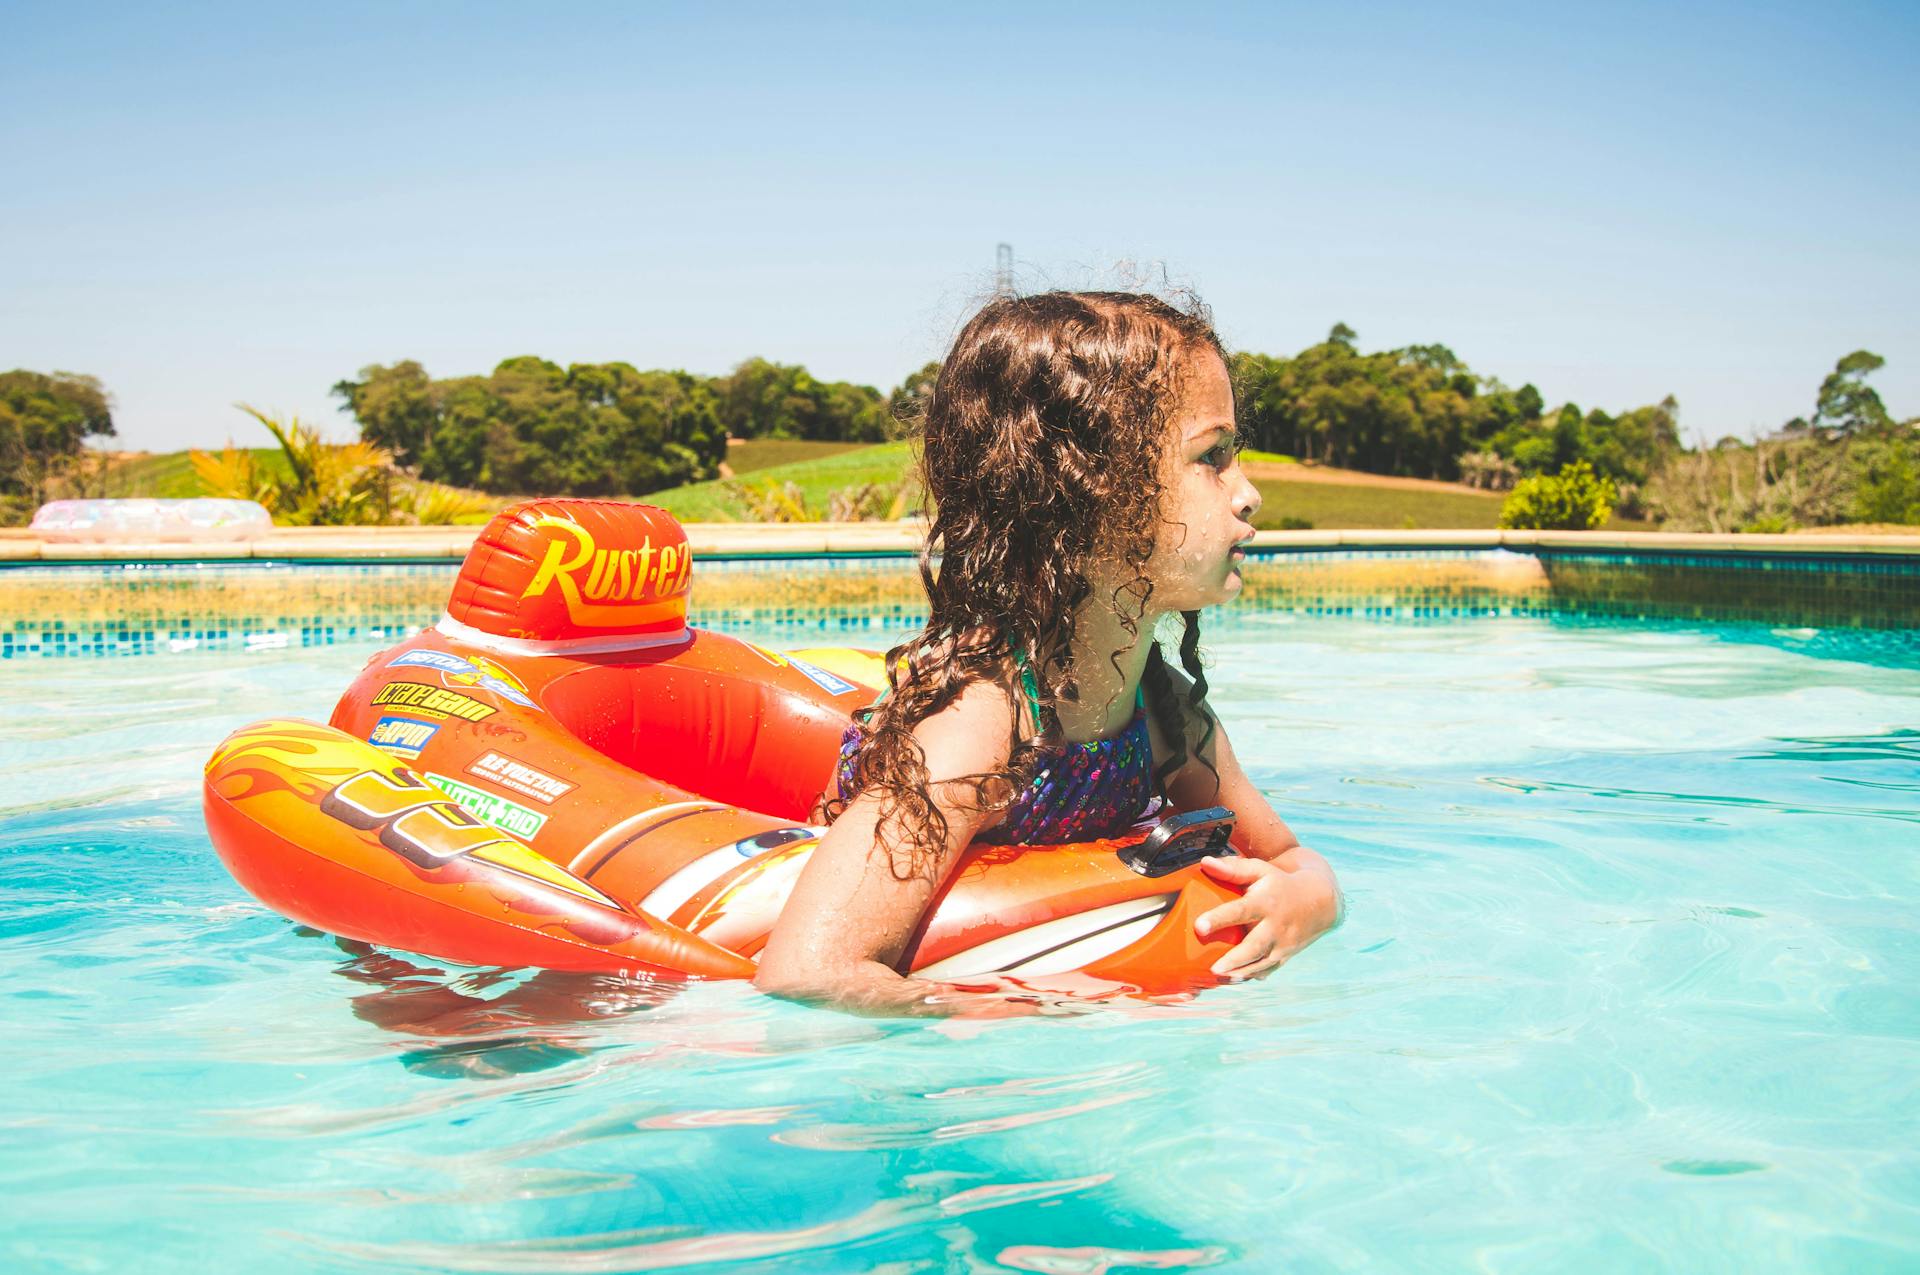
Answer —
(1851, 461)
(596, 429)
(611, 429)
(1421, 412)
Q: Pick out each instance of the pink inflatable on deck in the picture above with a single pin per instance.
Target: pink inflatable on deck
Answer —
(147, 521)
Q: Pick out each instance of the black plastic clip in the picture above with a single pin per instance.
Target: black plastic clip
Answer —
(1179, 840)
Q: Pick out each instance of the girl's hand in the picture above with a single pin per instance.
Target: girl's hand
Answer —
(1283, 910)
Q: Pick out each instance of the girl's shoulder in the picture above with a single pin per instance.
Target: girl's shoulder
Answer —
(972, 734)
(984, 702)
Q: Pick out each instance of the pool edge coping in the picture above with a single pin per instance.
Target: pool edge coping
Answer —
(345, 545)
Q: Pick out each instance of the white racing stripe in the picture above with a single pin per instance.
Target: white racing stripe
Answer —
(1056, 946)
(666, 898)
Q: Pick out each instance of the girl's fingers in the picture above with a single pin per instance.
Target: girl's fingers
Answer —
(1233, 912)
(1236, 869)
(1251, 956)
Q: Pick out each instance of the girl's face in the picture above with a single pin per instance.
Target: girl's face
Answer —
(1208, 503)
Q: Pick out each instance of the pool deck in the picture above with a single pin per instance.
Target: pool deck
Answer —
(375, 544)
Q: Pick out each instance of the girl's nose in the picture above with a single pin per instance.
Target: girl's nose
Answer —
(1247, 504)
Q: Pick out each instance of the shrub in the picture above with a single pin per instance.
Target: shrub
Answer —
(1776, 483)
(1575, 499)
(329, 484)
(1889, 489)
(787, 502)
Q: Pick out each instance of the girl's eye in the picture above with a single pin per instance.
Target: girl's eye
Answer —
(1218, 456)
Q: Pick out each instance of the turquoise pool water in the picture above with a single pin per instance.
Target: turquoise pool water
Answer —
(1628, 983)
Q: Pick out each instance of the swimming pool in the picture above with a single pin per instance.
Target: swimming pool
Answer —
(1626, 983)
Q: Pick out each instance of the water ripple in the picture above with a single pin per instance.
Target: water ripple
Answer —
(667, 1248)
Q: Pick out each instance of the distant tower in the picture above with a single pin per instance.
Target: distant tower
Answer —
(1003, 270)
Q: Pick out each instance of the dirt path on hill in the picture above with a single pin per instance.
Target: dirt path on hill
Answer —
(1291, 473)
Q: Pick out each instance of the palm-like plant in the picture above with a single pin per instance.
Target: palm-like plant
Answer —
(333, 484)
(436, 504)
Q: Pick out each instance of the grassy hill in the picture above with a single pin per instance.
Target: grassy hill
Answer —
(1342, 507)
(817, 479)
(169, 475)
(1329, 501)
(751, 454)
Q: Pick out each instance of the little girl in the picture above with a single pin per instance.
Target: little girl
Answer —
(1081, 464)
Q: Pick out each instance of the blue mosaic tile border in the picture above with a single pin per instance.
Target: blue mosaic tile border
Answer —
(91, 611)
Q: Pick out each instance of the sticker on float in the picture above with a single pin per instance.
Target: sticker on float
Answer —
(491, 808)
(434, 701)
(474, 672)
(519, 777)
(402, 736)
(831, 683)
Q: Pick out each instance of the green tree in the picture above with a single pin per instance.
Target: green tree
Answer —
(908, 402)
(591, 429)
(396, 408)
(759, 399)
(1847, 405)
(45, 422)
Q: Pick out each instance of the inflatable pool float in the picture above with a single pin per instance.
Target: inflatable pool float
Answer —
(141, 520)
(563, 774)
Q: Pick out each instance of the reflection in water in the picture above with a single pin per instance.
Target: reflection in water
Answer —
(660, 1248)
(521, 1025)
(1093, 1260)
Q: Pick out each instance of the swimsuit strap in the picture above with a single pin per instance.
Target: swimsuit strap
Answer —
(1028, 684)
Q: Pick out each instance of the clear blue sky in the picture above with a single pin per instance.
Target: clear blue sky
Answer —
(213, 203)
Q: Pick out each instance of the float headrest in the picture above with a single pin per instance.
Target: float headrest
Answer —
(574, 575)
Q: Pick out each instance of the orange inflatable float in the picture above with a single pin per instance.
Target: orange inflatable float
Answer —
(563, 774)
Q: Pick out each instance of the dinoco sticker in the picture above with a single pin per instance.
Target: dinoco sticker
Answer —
(831, 683)
(401, 736)
(434, 701)
(476, 671)
(610, 588)
(517, 776)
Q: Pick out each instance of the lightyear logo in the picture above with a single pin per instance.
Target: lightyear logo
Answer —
(422, 825)
(610, 588)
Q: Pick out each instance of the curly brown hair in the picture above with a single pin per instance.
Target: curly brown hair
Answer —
(1041, 453)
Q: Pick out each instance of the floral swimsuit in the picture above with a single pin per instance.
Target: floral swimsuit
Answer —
(1080, 792)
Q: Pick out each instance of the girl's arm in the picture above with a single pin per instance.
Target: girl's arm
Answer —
(1291, 897)
(846, 928)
